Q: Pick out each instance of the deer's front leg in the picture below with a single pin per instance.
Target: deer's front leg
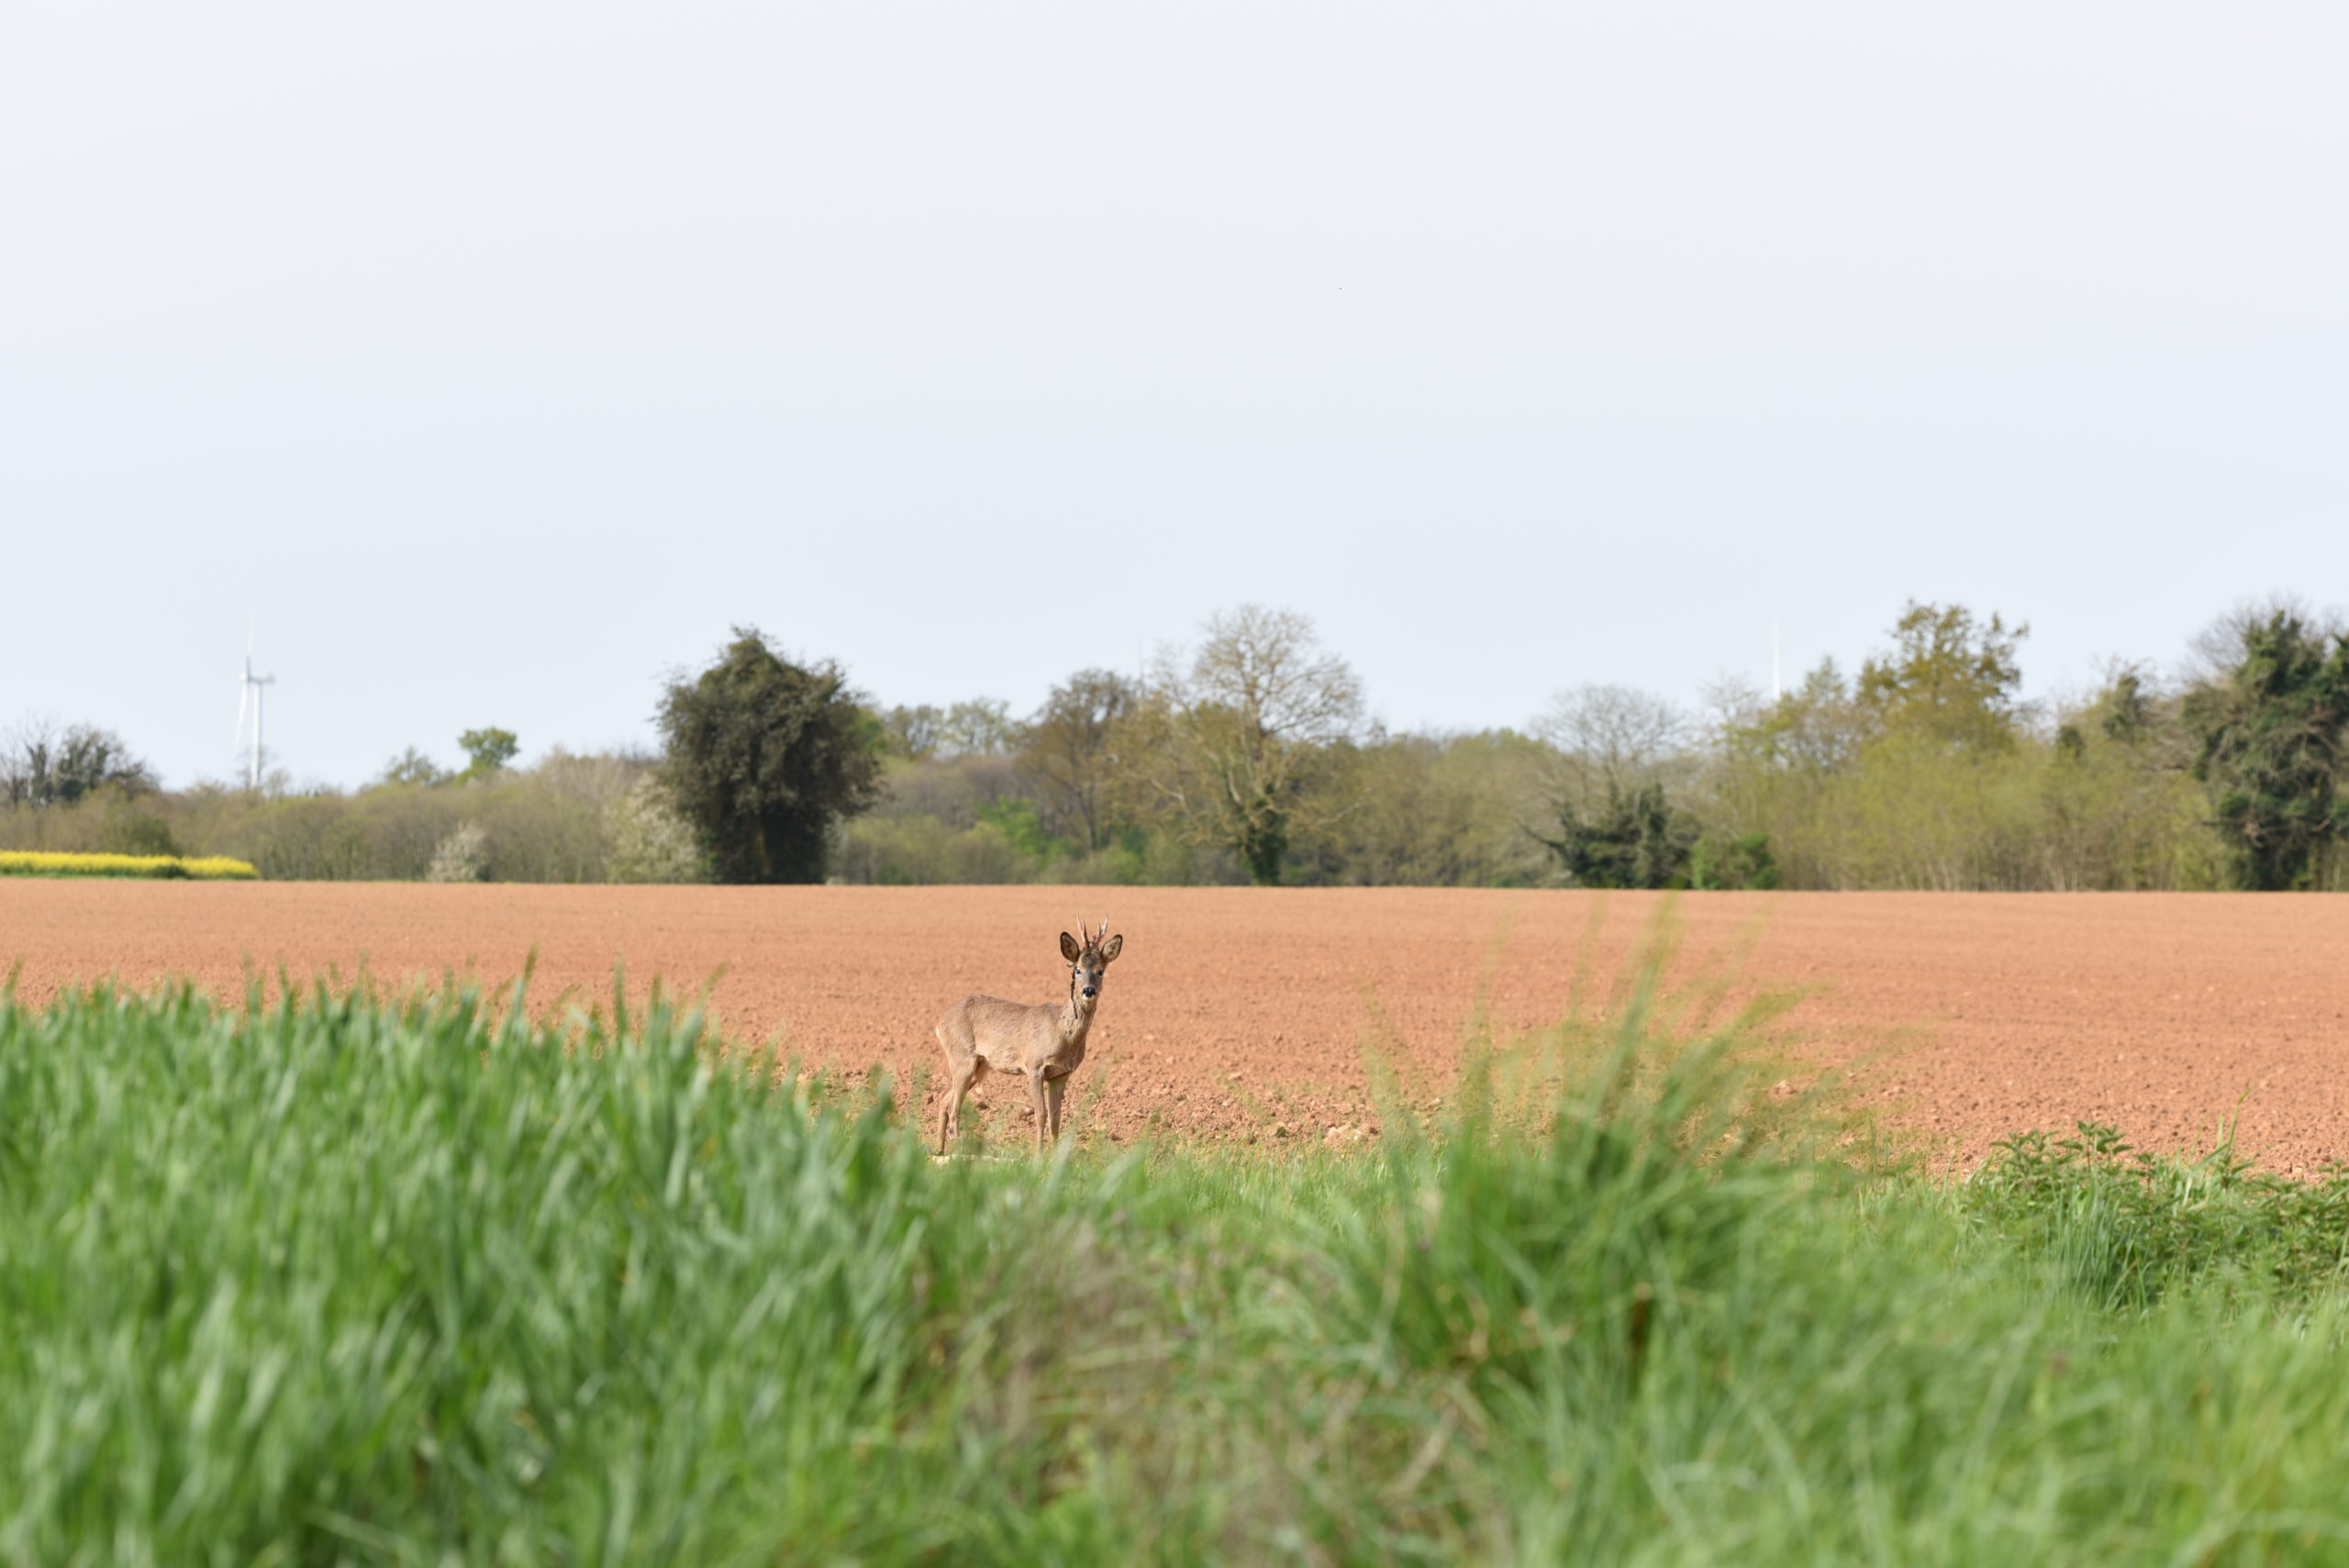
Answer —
(1052, 1098)
(1036, 1096)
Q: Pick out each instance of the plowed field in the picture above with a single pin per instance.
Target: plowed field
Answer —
(1242, 1011)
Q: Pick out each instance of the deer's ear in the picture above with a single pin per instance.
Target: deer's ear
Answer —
(1111, 948)
(1068, 947)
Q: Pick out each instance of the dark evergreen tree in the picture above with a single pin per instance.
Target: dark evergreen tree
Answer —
(2129, 712)
(2269, 732)
(765, 756)
(41, 766)
(1635, 840)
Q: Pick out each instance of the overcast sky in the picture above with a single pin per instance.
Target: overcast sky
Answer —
(492, 360)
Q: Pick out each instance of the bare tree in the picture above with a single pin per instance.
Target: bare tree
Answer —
(912, 731)
(1612, 740)
(1240, 742)
(2216, 651)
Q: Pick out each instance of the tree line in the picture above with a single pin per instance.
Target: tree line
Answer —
(1250, 757)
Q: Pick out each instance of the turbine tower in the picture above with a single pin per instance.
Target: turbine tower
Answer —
(250, 691)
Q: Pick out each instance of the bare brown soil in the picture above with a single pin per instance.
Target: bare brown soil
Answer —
(1241, 1012)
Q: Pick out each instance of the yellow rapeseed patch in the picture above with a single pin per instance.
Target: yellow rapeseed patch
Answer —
(209, 868)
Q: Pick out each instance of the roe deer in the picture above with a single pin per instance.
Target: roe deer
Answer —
(1044, 1043)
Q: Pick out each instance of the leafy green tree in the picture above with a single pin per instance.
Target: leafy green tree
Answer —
(2269, 729)
(979, 728)
(412, 767)
(1017, 820)
(1070, 748)
(1816, 728)
(1948, 676)
(1438, 811)
(763, 756)
(487, 751)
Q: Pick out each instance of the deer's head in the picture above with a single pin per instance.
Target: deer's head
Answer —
(1087, 959)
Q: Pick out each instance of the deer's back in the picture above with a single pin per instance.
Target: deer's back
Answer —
(1006, 1034)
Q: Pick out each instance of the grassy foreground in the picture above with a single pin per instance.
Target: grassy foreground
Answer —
(351, 1279)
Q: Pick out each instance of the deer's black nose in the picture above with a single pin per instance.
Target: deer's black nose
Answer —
(1093, 990)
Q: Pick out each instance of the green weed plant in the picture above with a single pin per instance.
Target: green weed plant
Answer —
(2125, 1226)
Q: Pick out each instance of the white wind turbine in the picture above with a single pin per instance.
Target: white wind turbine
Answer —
(250, 691)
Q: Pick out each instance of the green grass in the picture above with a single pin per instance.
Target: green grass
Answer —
(347, 1278)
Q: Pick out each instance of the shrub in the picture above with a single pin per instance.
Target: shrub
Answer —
(647, 840)
(1732, 864)
(462, 856)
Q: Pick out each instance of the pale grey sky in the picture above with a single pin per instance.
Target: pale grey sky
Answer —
(495, 359)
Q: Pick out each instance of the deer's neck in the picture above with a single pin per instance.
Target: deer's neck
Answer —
(1076, 1017)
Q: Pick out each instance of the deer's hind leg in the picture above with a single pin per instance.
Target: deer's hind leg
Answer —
(964, 1072)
